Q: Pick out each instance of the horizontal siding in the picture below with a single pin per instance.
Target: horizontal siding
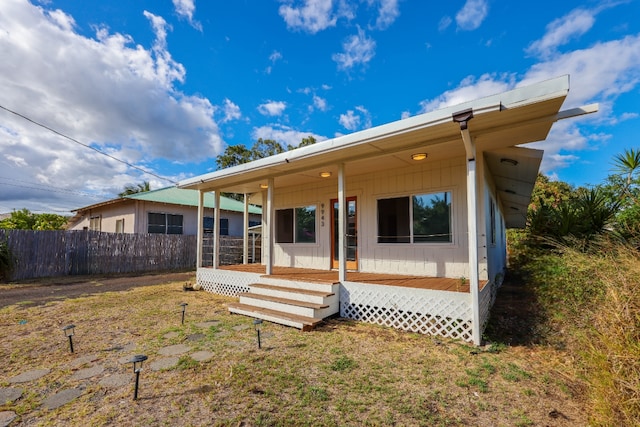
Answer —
(440, 260)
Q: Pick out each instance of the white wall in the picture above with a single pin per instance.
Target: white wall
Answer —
(439, 260)
(135, 215)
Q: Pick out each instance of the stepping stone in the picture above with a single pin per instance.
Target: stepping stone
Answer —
(174, 350)
(9, 395)
(6, 417)
(195, 337)
(202, 356)
(129, 347)
(236, 343)
(83, 360)
(166, 363)
(29, 376)
(208, 324)
(61, 398)
(171, 335)
(83, 374)
(116, 380)
(240, 328)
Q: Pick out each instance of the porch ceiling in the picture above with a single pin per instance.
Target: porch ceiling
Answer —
(512, 118)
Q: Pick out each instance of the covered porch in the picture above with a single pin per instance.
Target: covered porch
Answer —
(428, 305)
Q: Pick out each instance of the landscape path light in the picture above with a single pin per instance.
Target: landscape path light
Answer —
(137, 367)
(69, 332)
(257, 323)
(184, 308)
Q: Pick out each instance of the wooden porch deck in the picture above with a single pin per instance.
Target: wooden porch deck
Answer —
(331, 276)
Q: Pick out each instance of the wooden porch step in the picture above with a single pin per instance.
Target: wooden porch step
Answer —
(280, 300)
(275, 316)
(292, 290)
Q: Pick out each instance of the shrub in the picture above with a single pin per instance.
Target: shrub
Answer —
(6, 261)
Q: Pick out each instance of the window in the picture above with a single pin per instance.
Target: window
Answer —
(160, 223)
(95, 223)
(296, 225)
(424, 218)
(224, 225)
(120, 225)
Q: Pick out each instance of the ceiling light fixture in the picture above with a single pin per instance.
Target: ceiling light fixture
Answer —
(264, 186)
(512, 162)
(419, 156)
(325, 174)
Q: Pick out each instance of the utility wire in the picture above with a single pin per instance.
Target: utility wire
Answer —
(86, 145)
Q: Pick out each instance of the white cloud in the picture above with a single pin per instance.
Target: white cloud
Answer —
(272, 108)
(107, 92)
(444, 23)
(600, 73)
(231, 111)
(320, 103)
(312, 16)
(283, 134)
(358, 49)
(561, 31)
(273, 58)
(469, 89)
(186, 9)
(472, 14)
(354, 120)
(388, 12)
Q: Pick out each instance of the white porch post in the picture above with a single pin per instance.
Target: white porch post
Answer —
(245, 233)
(216, 230)
(342, 228)
(472, 220)
(200, 233)
(462, 118)
(270, 229)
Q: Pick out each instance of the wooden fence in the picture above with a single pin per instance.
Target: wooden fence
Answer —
(61, 253)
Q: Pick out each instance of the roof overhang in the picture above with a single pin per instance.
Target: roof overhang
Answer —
(520, 116)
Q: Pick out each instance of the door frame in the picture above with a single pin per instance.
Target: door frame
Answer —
(351, 265)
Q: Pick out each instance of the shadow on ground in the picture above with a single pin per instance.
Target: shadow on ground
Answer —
(516, 317)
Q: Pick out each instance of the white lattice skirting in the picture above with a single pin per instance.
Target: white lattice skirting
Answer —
(448, 314)
(224, 282)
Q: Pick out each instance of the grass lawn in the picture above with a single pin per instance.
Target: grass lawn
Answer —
(342, 373)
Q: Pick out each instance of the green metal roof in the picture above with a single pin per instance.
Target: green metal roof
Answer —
(178, 196)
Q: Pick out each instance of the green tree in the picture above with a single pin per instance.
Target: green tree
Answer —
(24, 219)
(234, 155)
(19, 220)
(265, 148)
(134, 189)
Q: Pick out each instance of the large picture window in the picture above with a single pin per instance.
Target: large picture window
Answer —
(296, 225)
(422, 218)
(160, 223)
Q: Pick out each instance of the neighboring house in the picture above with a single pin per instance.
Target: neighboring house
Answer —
(168, 210)
(407, 219)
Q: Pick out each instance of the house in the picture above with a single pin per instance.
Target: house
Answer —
(166, 211)
(401, 225)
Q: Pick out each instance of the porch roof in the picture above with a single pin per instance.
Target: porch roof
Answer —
(519, 116)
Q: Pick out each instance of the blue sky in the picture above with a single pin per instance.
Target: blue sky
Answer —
(166, 85)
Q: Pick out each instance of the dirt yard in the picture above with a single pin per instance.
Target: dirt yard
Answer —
(42, 291)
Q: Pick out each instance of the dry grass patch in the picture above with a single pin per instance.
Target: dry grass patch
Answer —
(343, 373)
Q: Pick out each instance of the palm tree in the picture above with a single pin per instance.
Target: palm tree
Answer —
(133, 189)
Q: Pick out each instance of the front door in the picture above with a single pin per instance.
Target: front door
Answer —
(352, 234)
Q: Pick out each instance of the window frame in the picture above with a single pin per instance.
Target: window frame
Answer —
(293, 233)
(167, 227)
(411, 240)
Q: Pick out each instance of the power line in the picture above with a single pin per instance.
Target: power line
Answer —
(86, 145)
(41, 187)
